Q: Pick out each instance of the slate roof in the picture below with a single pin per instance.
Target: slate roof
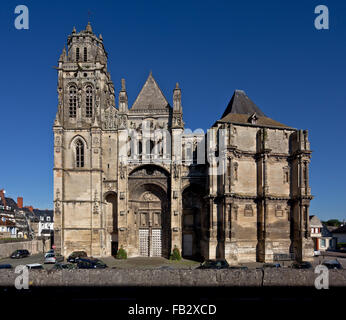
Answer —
(150, 97)
(44, 213)
(340, 229)
(9, 202)
(241, 108)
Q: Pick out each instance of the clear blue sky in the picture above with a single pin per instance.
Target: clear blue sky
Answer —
(270, 49)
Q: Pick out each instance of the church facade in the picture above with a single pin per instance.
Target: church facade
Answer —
(134, 177)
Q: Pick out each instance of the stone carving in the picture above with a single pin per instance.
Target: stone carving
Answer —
(149, 196)
(96, 204)
(122, 122)
(235, 171)
(176, 171)
(248, 212)
(110, 118)
(96, 140)
(148, 172)
(177, 120)
(122, 171)
(278, 211)
(57, 202)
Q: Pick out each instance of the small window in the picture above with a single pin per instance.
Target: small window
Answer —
(79, 154)
(85, 54)
(323, 243)
(73, 102)
(89, 102)
(77, 54)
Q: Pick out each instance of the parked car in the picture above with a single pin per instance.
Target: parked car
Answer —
(35, 266)
(90, 264)
(5, 266)
(332, 264)
(239, 268)
(61, 266)
(53, 258)
(272, 265)
(18, 254)
(76, 255)
(301, 265)
(51, 251)
(214, 264)
(317, 253)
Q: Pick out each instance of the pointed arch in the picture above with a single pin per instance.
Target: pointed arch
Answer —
(75, 138)
(80, 154)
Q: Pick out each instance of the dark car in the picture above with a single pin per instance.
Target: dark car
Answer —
(332, 264)
(61, 266)
(272, 265)
(90, 264)
(5, 266)
(239, 268)
(18, 254)
(76, 255)
(214, 264)
(301, 265)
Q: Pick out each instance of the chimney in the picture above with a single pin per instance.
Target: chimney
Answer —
(2, 196)
(31, 209)
(20, 202)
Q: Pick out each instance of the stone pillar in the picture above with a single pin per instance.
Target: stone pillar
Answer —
(58, 190)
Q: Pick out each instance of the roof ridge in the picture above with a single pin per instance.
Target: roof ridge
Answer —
(150, 84)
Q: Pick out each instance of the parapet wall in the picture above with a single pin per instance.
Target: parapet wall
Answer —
(34, 246)
(180, 278)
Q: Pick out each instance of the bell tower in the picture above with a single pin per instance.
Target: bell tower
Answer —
(85, 93)
(84, 84)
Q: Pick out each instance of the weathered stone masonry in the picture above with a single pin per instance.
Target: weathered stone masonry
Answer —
(155, 196)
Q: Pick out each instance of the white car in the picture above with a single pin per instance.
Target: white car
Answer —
(49, 252)
(53, 258)
(36, 266)
(317, 253)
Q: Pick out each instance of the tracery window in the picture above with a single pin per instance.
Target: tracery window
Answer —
(79, 154)
(73, 102)
(89, 102)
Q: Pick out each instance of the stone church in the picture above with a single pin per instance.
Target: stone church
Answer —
(134, 177)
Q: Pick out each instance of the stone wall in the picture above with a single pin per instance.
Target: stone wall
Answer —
(34, 246)
(180, 278)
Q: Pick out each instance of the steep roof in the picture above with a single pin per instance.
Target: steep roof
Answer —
(150, 97)
(241, 109)
(240, 103)
(315, 222)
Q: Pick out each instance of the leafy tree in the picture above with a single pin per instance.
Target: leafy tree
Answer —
(175, 255)
(121, 254)
(333, 223)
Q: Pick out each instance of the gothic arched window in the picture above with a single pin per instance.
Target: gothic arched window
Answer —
(89, 102)
(72, 102)
(85, 54)
(77, 54)
(79, 154)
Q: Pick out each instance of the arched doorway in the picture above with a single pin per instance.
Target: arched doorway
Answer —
(193, 213)
(150, 205)
(112, 221)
